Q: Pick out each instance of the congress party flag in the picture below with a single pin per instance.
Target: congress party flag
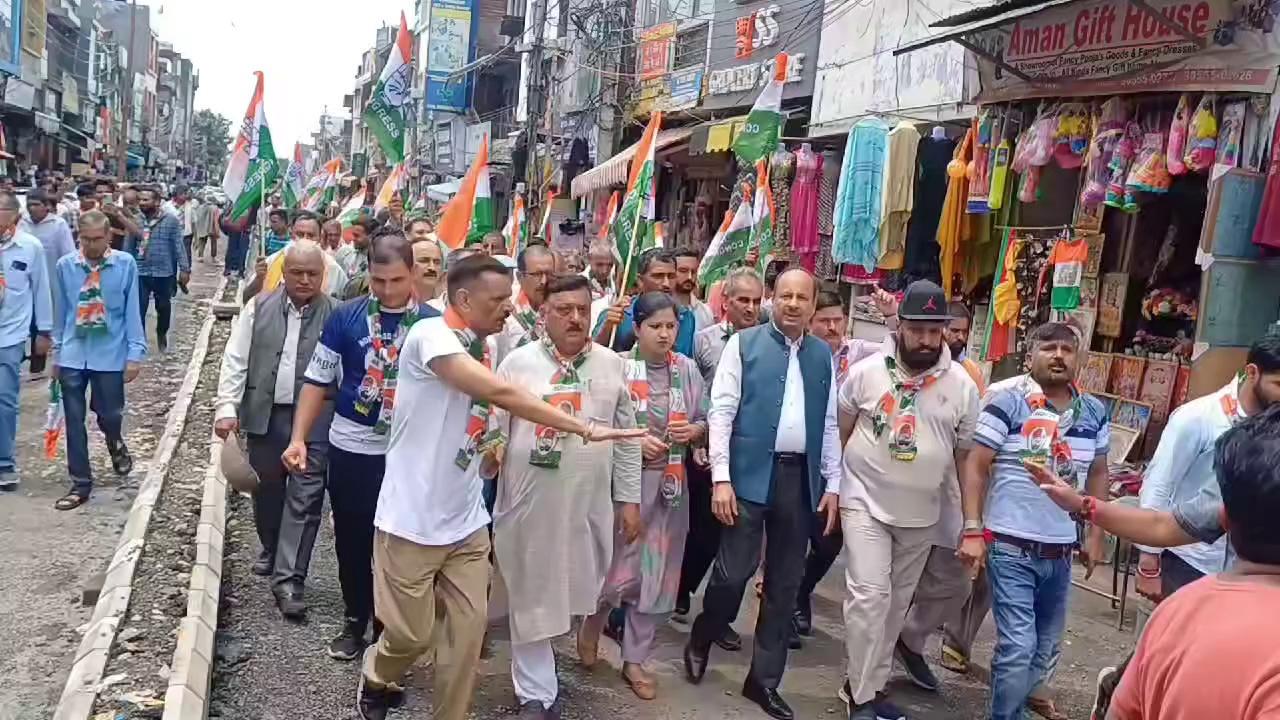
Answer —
(516, 230)
(632, 229)
(390, 186)
(295, 179)
(763, 127)
(469, 214)
(388, 108)
(762, 236)
(253, 166)
(730, 244)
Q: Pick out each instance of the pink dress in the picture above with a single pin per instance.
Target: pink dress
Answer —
(804, 207)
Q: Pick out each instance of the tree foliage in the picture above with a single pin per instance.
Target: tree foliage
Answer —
(212, 134)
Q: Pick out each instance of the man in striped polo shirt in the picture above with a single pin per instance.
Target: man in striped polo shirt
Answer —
(1039, 419)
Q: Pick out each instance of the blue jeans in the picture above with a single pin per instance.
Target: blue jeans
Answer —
(107, 402)
(1029, 604)
(237, 248)
(10, 371)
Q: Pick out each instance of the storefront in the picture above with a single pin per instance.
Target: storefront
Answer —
(1111, 180)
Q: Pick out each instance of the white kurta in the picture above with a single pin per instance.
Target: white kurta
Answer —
(553, 529)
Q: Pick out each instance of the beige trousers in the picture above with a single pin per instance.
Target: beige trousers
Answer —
(883, 563)
(412, 586)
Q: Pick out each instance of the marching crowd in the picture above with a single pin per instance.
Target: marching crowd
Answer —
(452, 407)
(517, 432)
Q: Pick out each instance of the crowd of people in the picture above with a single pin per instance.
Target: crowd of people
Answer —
(524, 433)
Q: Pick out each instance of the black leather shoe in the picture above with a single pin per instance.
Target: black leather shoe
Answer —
(730, 640)
(916, 666)
(803, 618)
(768, 699)
(289, 600)
(695, 662)
(794, 642)
(265, 564)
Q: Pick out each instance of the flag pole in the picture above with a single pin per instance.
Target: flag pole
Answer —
(262, 200)
(626, 271)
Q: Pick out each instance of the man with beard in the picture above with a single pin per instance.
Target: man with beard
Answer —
(431, 546)
(52, 232)
(656, 272)
(331, 236)
(743, 291)
(957, 338)
(262, 374)
(163, 263)
(1183, 466)
(906, 420)
(600, 268)
(687, 261)
(535, 265)
(775, 459)
(1039, 419)
(354, 256)
(553, 521)
(828, 325)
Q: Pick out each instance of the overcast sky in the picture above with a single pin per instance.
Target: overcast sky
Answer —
(308, 49)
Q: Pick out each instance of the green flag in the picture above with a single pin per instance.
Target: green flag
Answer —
(386, 111)
(763, 127)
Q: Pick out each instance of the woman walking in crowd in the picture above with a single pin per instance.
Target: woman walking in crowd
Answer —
(666, 390)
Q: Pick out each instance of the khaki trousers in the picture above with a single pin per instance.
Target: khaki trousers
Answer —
(412, 585)
(882, 566)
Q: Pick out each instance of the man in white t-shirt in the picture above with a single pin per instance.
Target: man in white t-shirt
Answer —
(432, 544)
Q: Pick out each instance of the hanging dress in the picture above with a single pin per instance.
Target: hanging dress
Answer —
(804, 207)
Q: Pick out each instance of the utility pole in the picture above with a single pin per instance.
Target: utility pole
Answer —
(126, 95)
(533, 109)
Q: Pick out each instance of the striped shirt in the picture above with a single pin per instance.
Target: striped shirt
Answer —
(1015, 505)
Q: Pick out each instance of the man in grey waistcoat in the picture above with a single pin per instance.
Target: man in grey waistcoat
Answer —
(775, 462)
(743, 290)
(262, 372)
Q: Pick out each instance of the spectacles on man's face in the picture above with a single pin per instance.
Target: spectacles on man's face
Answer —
(541, 275)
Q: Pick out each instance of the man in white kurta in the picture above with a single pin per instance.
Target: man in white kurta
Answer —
(553, 522)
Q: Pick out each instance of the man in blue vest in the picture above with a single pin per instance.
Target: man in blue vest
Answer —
(775, 459)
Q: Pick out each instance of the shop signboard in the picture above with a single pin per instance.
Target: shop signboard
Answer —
(684, 88)
(857, 72)
(745, 38)
(450, 46)
(1117, 46)
(653, 60)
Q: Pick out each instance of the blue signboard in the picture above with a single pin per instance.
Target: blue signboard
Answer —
(450, 48)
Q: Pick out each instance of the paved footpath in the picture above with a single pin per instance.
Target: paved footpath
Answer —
(47, 556)
(271, 670)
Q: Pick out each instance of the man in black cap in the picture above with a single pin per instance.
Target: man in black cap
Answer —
(907, 417)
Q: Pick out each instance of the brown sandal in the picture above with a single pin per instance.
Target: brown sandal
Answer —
(1045, 708)
(645, 688)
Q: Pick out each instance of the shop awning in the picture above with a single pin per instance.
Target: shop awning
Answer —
(614, 170)
(441, 192)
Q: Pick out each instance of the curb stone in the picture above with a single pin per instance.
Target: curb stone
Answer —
(84, 680)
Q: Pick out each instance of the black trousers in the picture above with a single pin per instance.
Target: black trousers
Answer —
(163, 290)
(1175, 573)
(823, 551)
(704, 533)
(788, 519)
(354, 483)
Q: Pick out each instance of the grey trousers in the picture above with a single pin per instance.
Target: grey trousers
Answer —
(287, 506)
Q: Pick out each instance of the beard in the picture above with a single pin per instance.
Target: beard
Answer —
(957, 350)
(920, 358)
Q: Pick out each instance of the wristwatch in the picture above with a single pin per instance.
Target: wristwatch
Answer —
(972, 526)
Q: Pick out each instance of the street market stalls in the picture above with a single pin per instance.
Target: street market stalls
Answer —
(1117, 154)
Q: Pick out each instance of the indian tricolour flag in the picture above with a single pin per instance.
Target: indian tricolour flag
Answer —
(632, 229)
(253, 166)
(393, 183)
(762, 236)
(295, 179)
(388, 108)
(355, 205)
(730, 244)
(516, 230)
(760, 133)
(469, 214)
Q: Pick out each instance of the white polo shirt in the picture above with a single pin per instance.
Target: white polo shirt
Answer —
(426, 498)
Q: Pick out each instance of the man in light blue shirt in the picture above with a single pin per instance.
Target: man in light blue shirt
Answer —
(100, 344)
(24, 297)
(46, 226)
(1183, 466)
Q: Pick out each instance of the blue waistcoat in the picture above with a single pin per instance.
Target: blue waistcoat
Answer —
(755, 428)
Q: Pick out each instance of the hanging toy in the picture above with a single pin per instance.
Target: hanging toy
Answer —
(999, 175)
(1021, 161)
(1109, 128)
(1202, 136)
(1029, 185)
(1149, 173)
(1121, 159)
(1042, 145)
(1229, 134)
(1178, 135)
(1070, 140)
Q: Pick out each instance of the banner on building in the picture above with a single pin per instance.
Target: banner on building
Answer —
(1114, 46)
(450, 47)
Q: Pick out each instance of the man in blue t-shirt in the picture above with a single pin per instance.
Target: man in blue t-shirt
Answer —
(357, 355)
(1036, 420)
(656, 272)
